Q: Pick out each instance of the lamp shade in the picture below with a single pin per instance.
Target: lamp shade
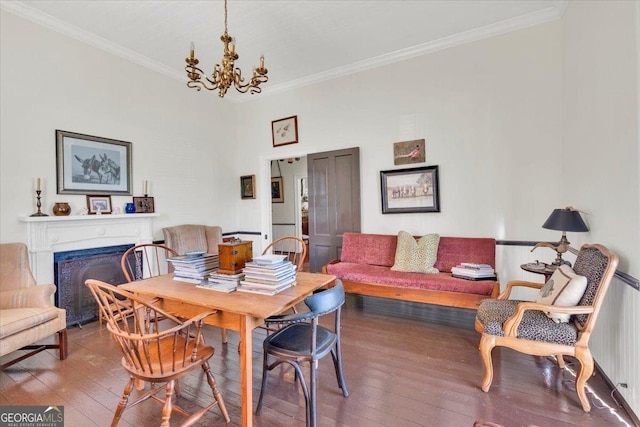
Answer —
(565, 220)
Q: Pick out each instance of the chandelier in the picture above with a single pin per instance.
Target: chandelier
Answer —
(224, 75)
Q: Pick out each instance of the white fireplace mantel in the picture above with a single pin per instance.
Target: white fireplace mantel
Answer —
(49, 234)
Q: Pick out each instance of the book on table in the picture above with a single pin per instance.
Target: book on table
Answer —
(187, 279)
(269, 285)
(193, 267)
(220, 287)
(269, 259)
(251, 288)
(222, 278)
(274, 275)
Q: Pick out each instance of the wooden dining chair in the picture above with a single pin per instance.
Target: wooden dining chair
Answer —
(141, 262)
(146, 260)
(527, 327)
(302, 340)
(293, 247)
(155, 351)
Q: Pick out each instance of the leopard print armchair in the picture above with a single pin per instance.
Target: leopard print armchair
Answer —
(525, 327)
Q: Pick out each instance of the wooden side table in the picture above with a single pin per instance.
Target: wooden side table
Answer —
(539, 268)
(233, 255)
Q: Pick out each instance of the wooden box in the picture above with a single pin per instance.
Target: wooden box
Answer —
(233, 255)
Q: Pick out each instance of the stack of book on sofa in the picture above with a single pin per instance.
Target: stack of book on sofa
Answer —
(471, 271)
(222, 282)
(194, 267)
(268, 275)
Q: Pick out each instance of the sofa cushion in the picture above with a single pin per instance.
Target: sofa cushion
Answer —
(356, 272)
(564, 288)
(454, 250)
(416, 256)
(372, 249)
(17, 320)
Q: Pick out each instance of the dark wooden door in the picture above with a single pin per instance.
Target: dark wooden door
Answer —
(334, 202)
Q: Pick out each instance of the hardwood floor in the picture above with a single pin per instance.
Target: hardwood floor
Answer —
(405, 365)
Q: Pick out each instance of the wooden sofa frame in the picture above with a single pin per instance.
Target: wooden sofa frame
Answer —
(426, 296)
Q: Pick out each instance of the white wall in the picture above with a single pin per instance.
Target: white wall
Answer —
(490, 112)
(183, 141)
(601, 164)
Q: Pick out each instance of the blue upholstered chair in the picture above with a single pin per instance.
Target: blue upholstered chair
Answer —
(302, 340)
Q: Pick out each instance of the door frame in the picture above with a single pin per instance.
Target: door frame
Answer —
(264, 189)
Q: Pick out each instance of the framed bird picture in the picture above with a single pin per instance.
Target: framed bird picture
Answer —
(285, 131)
(408, 152)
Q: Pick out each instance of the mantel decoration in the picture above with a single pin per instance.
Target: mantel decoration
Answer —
(87, 164)
(144, 204)
(98, 204)
(38, 202)
(410, 190)
(567, 219)
(224, 75)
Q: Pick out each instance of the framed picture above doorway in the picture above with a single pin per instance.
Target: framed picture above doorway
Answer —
(285, 131)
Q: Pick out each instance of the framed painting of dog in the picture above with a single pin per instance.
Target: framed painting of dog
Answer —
(87, 164)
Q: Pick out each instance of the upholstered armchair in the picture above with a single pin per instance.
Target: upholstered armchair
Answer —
(191, 237)
(27, 314)
(536, 328)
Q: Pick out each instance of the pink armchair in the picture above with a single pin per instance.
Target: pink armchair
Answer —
(27, 315)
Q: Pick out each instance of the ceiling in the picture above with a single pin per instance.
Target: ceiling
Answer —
(303, 41)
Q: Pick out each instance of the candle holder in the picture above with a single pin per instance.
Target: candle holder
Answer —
(39, 205)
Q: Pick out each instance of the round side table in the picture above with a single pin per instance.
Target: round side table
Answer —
(539, 268)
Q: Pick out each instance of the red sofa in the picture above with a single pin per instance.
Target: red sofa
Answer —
(365, 268)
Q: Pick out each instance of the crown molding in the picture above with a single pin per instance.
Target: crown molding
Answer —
(535, 18)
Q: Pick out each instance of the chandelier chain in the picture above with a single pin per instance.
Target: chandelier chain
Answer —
(225, 16)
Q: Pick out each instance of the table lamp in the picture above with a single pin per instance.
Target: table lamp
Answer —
(564, 220)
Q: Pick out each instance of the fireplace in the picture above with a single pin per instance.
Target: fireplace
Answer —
(63, 236)
(72, 268)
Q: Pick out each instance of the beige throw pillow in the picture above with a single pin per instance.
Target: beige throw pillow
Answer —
(564, 288)
(416, 256)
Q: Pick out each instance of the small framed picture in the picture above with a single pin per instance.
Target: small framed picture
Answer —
(277, 190)
(410, 190)
(285, 131)
(248, 187)
(409, 152)
(98, 204)
(144, 204)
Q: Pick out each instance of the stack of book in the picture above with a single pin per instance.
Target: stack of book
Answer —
(222, 282)
(268, 275)
(471, 271)
(193, 268)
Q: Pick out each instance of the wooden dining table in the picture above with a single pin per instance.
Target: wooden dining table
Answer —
(237, 311)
